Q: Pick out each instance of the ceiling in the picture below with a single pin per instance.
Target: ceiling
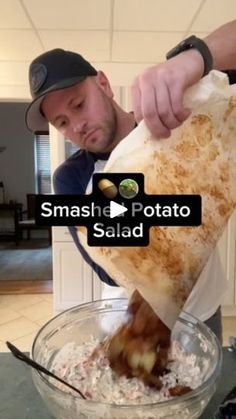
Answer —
(121, 37)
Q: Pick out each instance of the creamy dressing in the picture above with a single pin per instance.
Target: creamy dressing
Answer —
(98, 382)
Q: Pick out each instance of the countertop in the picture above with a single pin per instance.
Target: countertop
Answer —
(19, 398)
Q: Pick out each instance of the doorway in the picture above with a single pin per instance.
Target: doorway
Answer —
(26, 268)
(17, 172)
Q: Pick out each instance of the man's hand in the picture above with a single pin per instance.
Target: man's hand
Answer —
(157, 94)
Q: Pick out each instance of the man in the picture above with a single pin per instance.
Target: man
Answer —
(78, 100)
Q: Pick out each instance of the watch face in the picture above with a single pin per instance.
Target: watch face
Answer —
(182, 46)
(188, 42)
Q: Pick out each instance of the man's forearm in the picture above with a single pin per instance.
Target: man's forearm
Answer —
(222, 44)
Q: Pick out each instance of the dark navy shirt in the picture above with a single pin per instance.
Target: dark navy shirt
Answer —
(72, 178)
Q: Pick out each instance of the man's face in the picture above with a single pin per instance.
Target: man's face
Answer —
(84, 113)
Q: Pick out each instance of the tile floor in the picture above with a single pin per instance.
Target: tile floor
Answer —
(21, 316)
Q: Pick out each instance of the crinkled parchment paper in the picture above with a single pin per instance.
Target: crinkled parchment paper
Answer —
(198, 158)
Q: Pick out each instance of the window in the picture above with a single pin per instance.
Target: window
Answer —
(43, 183)
(42, 164)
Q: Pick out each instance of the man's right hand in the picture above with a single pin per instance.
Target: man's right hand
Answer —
(157, 93)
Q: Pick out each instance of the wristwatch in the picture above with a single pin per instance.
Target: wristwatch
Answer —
(199, 45)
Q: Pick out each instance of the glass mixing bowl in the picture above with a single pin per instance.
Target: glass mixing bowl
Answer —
(100, 318)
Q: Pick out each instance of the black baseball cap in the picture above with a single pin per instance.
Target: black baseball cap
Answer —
(53, 70)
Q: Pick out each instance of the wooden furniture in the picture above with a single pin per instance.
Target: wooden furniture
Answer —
(19, 286)
(9, 216)
(27, 222)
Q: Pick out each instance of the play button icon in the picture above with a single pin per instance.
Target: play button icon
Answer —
(116, 209)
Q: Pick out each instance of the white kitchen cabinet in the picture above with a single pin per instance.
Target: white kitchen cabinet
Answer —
(74, 281)
(72, 277)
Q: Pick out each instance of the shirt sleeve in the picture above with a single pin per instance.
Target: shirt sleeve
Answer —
(231, 75)
(67, 182)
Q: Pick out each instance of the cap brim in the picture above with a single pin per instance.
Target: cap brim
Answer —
(34, 118)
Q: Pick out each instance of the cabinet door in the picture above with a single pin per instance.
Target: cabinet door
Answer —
(61, 234)
(97, 287)
(73, 277)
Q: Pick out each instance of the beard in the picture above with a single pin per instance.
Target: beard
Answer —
(105, 138)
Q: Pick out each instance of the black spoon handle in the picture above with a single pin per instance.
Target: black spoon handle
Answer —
(22, 357)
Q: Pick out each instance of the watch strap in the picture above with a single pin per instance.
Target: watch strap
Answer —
(199, 45)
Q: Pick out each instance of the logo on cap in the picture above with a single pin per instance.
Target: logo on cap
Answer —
(38, 75)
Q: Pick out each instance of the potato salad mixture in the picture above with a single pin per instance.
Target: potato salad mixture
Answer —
(94, 377)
